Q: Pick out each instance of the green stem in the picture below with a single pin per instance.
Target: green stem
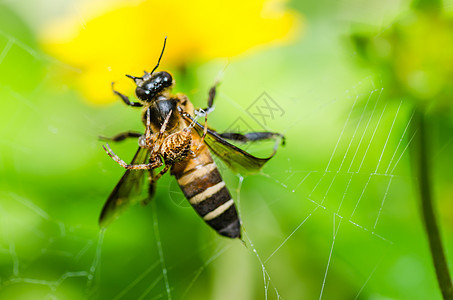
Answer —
(429, 217)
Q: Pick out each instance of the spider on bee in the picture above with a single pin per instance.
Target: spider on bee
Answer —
(174, 139)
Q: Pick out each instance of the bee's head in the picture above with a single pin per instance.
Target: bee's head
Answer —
(151, 85)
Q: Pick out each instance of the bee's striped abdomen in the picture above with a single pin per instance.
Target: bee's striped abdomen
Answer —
(203, 186)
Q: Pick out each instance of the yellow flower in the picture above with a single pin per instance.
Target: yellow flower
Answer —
(128, 38)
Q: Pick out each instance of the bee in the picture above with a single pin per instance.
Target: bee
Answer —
(174, 140)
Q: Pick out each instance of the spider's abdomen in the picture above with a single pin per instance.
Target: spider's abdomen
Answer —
(176, 147)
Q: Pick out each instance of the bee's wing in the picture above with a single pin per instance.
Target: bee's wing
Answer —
(126, 192)
(235, 158)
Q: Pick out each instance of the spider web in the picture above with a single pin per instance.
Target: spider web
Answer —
(348, 162)
(342, 199)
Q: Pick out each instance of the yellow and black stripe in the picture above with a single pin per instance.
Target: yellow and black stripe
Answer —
(203, 186)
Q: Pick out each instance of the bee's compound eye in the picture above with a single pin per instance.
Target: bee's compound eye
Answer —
(167, 80)
(141, 93)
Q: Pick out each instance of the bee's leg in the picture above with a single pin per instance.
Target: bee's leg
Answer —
(126, 99)
(252, 136)
(212, 93)
(154, 164)
(209, 109)
(211, 96)
(121, 136)
(151, 187)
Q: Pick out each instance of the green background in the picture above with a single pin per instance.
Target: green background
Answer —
(334, 215)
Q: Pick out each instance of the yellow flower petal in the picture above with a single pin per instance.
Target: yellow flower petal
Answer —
(128, 38)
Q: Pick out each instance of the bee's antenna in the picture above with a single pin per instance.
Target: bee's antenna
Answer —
(133, 77)
(160, 57)
(136, 79)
